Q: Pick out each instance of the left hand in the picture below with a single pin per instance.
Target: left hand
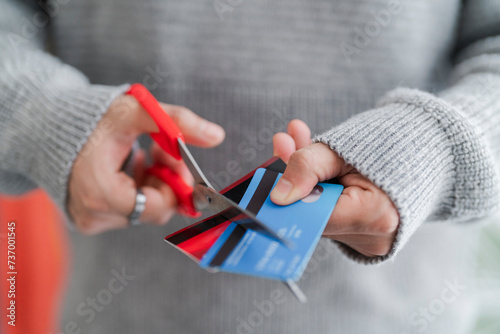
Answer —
(365, 219)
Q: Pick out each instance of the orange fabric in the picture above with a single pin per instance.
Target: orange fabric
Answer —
(41, 262)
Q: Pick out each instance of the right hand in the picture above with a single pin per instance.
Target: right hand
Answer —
(100, 195)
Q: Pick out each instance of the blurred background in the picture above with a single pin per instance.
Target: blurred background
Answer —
(488, 283)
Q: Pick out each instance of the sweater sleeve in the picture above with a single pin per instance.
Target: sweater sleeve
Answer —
(47, 109)
(435, 155)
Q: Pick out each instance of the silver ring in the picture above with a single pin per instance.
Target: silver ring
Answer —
(140, 205)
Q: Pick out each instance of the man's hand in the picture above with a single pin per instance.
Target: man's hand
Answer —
(100, 195)
(364, 218)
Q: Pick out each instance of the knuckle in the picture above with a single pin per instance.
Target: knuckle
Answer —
(174, 113)
(86, 225)
(380, 211)
(153, 220)
(183, 110)
(388, 222)
(161, 219)
(178, 114)
(301, 172)
(165, 219)
(302, 160)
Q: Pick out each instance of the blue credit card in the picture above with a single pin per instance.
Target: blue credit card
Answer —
(244, 251)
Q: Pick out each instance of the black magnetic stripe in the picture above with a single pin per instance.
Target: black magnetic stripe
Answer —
(250, 224)
(254, 206)
(230, 213)
(197, 229)
(228, 246)
(235, 216)
(277, 166)
(235, 194)
(262, 191)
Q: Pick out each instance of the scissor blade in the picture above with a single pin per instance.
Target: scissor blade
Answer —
(208, 198)
(199, 177)
(297, 292)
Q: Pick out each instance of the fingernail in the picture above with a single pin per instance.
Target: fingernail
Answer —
(281, 190)
(213, 131)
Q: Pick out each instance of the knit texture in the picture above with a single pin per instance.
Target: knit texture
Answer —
(425, 155)
(252, 66)
(49, 110)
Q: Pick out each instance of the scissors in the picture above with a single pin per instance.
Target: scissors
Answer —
(201, 196)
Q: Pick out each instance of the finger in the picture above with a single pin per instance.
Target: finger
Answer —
(139, 164)
(119, 192)
(178, 166)
(283, 146)
(197, 130)
(300, 133)
(121, 195)
(368, 245)
(345, 218)
(362, 209)
(91, 222)
(343, 242)
(102, 222)
(306, 167)
(160, 202)
(131, 118)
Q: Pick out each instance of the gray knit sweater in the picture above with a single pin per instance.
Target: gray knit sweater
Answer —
(252, 66)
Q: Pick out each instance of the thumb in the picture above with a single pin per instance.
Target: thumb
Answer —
(306, 167)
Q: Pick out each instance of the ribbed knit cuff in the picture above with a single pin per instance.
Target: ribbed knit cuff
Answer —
(424, 155)
(80, 111)
(52, 110)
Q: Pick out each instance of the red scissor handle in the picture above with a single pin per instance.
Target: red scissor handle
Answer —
(167, 136)
(183, 192)
(168, 132)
